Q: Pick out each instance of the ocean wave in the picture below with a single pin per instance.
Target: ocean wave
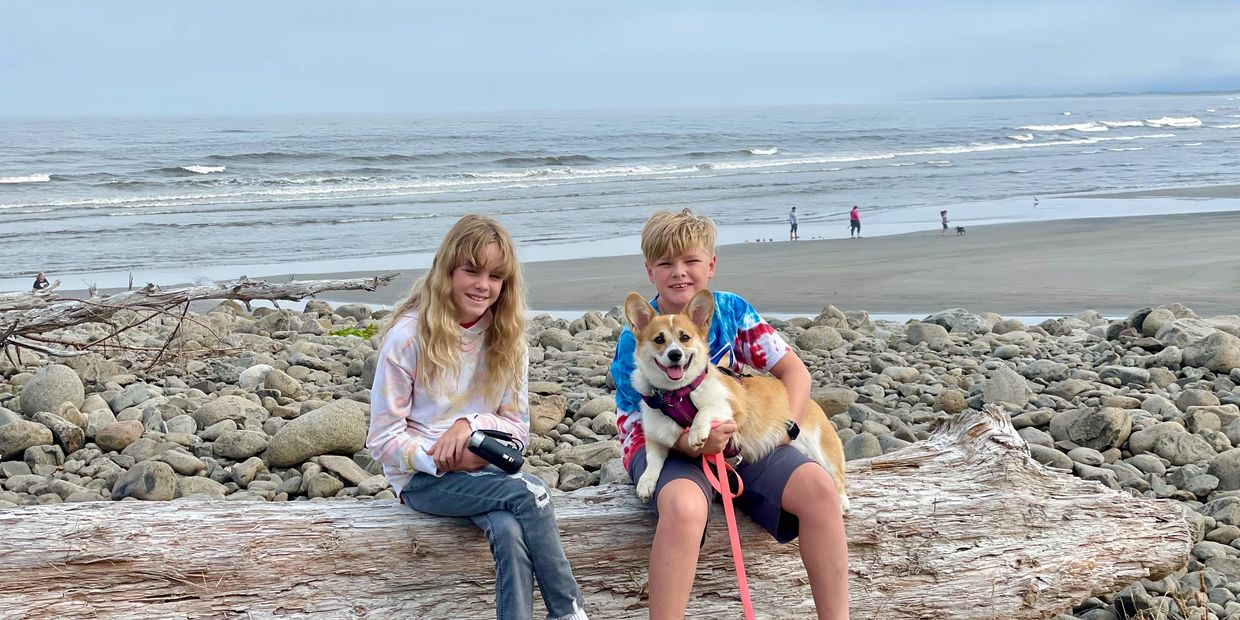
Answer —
(540, 176)
(29, 178)
(1230, 126)
(269, 157)
(1124, 123)
(1174, 121)
(551, 160)
(203, 169)
(762, 151)
(1091, 126)
(1023, 137)
(1128, 148)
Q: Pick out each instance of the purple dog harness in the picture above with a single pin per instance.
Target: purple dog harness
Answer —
(677, 405)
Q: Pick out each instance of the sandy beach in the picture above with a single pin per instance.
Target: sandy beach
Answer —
(1113, 265)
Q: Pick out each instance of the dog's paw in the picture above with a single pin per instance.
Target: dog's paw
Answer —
(698, 437)
(845, 506)
(645, 487)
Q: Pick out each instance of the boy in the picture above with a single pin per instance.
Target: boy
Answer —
(792, 223)
(785, 493)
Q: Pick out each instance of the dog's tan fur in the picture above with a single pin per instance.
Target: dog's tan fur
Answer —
(759, 404)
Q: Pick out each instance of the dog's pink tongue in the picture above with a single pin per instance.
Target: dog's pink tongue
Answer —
(675, 373)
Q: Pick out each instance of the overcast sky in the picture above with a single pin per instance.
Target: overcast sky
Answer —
(208, 56)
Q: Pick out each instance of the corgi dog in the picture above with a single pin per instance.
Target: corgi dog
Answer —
(672, 366)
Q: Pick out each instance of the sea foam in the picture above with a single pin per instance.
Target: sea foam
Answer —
(1174, 121)
(203, 169)
(762, 151)
(30, 178)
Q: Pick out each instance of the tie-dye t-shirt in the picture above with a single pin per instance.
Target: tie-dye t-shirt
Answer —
(735, 329)
(405, 420)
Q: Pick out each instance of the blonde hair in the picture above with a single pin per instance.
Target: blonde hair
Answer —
(674, 234)
(438, 335)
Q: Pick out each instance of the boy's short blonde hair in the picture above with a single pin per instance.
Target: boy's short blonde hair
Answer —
(668, 234)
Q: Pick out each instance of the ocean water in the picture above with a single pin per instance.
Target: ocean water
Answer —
(190, 198)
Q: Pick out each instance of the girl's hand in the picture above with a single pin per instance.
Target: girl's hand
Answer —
(451, 452)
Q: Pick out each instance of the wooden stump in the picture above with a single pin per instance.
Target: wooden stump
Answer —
(963, 525)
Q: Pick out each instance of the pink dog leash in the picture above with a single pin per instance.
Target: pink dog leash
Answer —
(719, 480)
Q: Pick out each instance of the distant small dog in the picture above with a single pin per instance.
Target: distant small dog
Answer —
(672, 363)
(960, 230)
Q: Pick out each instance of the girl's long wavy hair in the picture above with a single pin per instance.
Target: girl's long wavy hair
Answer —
(438, 336)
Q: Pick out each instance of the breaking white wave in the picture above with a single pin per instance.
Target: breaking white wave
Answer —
(203, 169)
(1067, 114)
(1231, 126)
(762, 151)
(1024, 137)
(1129, 148)
(1074, 126)
(30, 178)
(1175, 121)
(1123, 123)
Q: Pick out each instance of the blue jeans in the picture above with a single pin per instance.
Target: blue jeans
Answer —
(515, 513)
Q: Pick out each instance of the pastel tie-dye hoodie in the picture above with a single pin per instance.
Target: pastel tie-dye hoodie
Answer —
(405, 421)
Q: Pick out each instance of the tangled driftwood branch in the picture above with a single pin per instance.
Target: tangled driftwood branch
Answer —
(963, 525)
(30, 314)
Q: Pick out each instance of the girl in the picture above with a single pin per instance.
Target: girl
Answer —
(453, 361)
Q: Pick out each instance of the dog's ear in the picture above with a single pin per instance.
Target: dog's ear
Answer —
(638, 311)
(701, 308)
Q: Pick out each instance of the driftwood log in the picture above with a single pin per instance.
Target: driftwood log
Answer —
(963, 525)
(26, 315)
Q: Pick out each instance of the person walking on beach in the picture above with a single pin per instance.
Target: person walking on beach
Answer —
(792, 222)
(785, 493)
(854, 222)
(943, 214)
(40, 282)
(453, 361)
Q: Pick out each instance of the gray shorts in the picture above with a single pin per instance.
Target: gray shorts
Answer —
(764, 486)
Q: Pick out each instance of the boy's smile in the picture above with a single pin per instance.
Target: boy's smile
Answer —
(677, 278)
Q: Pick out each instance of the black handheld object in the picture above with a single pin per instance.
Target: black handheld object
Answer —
(498, 448)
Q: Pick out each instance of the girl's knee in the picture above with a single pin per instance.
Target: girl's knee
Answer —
(503, 529)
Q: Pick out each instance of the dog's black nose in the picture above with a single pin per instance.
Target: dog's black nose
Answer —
(674, 356)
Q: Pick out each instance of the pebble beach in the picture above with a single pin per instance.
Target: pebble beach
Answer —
(269, 406)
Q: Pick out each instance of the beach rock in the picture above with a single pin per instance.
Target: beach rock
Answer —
(1007, 325)
(200, 486)
(344, 467)
(1218, 351)
(595, 406)
(17, 437)
(65, 434)
(831, 317)
(278, 380)
(925, 332)
(862, 446)
(833, 400)
(951, 401)
(821, 337)
(546, 411)
(337, 428)
(591, 456)
(1047, 371)
(1125, 374)
(49, 387)
(1006, 386)
(148, 480)
(573, 477)
(239, 445)
(959, 321)
(133, 395)
(8, 417)
(118, 435)
(233, 408)
(1100, 429)
(1182, 332)
(251, 378)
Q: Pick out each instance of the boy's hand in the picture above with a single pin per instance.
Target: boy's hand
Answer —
(715, 442)
(451, 452)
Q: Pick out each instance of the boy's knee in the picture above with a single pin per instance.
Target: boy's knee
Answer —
(813, 493)
(682, 503)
